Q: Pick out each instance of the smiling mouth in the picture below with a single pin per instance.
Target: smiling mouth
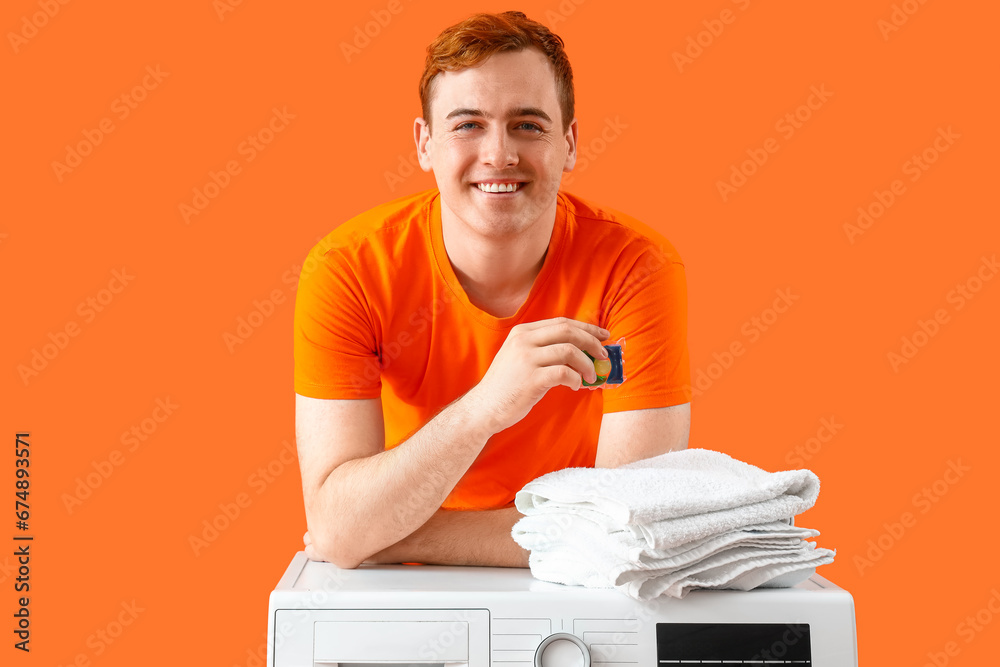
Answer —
(499, 188)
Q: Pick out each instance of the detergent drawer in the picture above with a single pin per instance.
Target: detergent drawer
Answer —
(382, 637)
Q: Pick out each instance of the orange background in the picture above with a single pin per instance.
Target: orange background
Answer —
(163, 335)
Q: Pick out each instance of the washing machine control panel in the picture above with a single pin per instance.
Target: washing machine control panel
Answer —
(733, 644)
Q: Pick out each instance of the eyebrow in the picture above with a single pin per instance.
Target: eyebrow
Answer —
(513, 113)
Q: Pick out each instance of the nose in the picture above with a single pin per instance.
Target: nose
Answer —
(498, 149)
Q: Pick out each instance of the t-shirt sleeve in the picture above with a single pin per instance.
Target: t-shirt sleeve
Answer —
(648, 307)
(336, 346)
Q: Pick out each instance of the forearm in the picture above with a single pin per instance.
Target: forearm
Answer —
(370, 503)
(451, 537)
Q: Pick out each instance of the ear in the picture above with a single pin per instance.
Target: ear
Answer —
(422, 137)
(571, 137)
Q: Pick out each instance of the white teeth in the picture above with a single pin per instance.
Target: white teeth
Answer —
(499, 187)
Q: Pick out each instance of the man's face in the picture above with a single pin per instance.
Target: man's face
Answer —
(497, 122)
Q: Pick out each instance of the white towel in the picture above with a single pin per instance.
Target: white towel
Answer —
(541, 532)
(740, 568)
(578, 552)
(719, 491)
(669, 524)
(734, 568)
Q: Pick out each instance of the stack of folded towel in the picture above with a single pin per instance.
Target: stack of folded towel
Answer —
(669, 524)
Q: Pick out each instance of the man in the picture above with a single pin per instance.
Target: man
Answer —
(440, 338)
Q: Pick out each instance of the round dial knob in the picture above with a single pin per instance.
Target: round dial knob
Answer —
(562, 650)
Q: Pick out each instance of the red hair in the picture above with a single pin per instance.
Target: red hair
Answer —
(478, 37)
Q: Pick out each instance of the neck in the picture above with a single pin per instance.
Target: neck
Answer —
(497, 271)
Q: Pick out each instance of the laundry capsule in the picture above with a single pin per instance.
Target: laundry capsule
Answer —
(610, 370)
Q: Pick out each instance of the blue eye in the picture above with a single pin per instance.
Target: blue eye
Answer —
(531, 126)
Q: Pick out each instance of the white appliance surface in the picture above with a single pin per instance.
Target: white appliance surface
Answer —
(407, 615)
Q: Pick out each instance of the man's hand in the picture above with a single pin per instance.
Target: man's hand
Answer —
(310, 550)
(535, 357)
(479, 538)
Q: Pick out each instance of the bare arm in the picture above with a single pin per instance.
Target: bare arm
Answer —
(360, 498)
(452, 537)
(483, 538)
(632, 435)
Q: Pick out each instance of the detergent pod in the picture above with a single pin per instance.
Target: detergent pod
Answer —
(611, 370)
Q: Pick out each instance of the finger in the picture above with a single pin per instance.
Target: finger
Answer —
(311, 553)
(554, 376)
(593, 329)
(568, 333)
(306, 539)
(566, 354)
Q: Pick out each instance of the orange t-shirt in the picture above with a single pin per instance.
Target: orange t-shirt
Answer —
(380, 312)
